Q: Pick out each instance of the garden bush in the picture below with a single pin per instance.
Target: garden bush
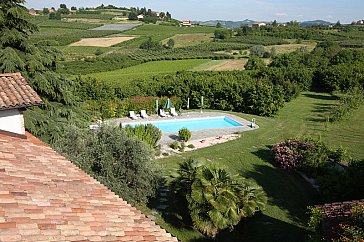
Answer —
(109, 154)
(184, 134)
(310, 156)
(146, 133)
(174, 145)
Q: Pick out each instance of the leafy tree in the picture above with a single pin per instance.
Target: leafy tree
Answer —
(223, 33)
(218, 25)
(149, 44)
(168, 16)
(257, 50)
(120, 162)
(55, 15)
(63, 9)
(45, 11)
(133, 16)
(38, 64)
(73, 8)
(275, 24)
(162, 15)
(216, 200)
(254, 63)
(170, 43)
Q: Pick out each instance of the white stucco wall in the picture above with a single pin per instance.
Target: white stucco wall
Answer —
(12, 120)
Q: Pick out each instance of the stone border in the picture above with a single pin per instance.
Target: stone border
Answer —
(168, 138)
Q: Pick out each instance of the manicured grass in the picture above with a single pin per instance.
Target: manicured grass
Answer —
(120, 77)
(349, 133)
(289, 195)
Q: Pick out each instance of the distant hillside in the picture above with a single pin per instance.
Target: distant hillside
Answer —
(226, 24)
(315, 22)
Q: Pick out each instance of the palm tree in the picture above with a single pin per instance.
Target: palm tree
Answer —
(216, 200)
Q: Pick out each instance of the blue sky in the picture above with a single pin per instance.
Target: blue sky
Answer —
(259, 10)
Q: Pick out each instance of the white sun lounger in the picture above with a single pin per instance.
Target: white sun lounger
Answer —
(143, 114)
(132, 115)
(162, 113)
(173, 112)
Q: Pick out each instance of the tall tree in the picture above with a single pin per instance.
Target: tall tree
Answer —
(37, 62)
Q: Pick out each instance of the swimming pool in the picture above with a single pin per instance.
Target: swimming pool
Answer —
(192, 124)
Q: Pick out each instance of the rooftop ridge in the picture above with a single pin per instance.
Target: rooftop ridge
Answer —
(11, 74)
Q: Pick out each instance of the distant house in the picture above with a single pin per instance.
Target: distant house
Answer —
(140, 17)
(259, 24)
(186, 23)
(156, 13)
(15, 96)
(32, 12)
(51, 10)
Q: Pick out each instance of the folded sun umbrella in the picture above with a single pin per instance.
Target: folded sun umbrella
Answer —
(168, 104)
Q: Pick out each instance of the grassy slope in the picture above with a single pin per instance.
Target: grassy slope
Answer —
(160, 32)
(284, 218)
(183, 40)
(348, 133)
(122, 76)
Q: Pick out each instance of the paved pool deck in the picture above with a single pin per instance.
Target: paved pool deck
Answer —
(168, 138)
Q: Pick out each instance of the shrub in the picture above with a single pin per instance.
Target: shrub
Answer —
(146, 133)
(184, 134)
(183, 146)
(174, 145)
(120, 162)
(191, 146)
(307, 155)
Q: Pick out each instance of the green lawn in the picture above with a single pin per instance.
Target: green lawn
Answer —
(120, 77)
(285, 216)
(348, 133)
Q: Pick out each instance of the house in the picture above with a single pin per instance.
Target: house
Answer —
(186, 23)
(32, 12)
(15, 95)
(259, 24)
(45, 197)
(140, 17)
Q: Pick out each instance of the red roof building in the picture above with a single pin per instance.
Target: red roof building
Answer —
(15, 95)
(45, 197)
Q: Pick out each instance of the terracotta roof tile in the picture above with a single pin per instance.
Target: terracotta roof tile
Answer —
(44, 197)
(15, 92)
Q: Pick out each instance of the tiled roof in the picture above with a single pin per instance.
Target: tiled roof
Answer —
(44, 197)
(335, 213)
(15, 92)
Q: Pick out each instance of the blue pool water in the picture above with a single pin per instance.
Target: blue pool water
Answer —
(191, 124)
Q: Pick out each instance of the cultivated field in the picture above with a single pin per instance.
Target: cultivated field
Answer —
(287, 48)
(120, 77)
(182, 40)
(102, 42)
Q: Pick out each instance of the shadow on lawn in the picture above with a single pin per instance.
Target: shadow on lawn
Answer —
(260, 227)
(286, 190)
(320, 96)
